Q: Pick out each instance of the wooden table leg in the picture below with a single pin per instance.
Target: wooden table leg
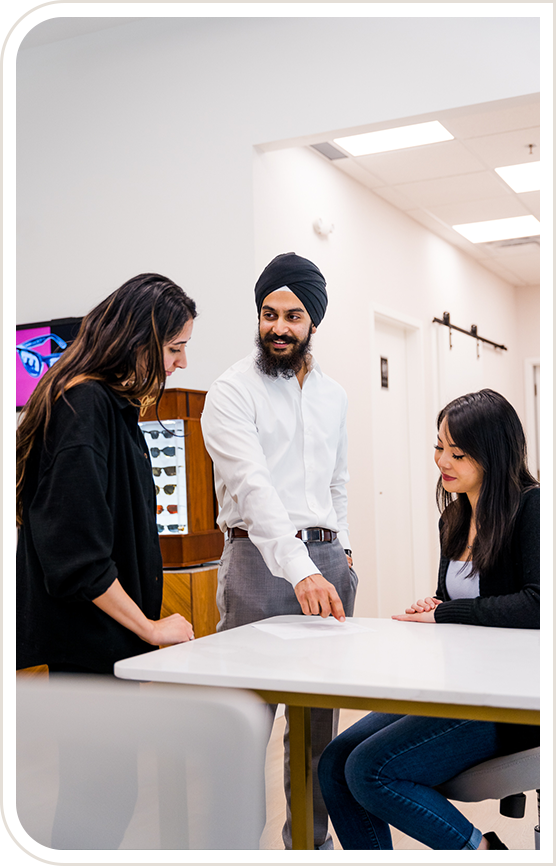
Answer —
(301, 778)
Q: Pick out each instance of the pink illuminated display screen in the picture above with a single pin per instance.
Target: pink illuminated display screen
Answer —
(38, 346)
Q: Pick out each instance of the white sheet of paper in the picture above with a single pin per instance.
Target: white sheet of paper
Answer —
(313, 626)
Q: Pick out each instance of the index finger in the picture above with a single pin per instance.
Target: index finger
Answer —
(337, 609)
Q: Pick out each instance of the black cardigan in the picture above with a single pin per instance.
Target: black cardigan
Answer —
(89, 511)
(509, 598)
(509, 594)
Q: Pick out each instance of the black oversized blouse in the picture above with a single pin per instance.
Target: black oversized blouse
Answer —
(89, 517)
(509, 594)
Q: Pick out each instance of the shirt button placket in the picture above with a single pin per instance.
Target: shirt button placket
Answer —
(308, 449)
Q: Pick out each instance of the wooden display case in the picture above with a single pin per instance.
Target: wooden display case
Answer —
(204, 541)
(192, 592)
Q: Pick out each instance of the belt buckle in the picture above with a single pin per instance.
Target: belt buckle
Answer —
(312, 535)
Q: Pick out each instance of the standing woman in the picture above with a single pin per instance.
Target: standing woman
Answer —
(384, 769)
(89, 568)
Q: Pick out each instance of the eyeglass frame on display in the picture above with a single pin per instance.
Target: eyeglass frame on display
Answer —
(169, 470)
(169, 451)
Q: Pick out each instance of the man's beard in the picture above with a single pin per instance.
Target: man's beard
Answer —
(286, 365)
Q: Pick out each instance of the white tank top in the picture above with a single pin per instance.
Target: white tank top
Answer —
(458, 584)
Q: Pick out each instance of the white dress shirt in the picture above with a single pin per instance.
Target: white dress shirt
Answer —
(280, 460)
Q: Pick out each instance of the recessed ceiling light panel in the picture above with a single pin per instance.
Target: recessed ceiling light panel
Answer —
(522, 178)
(499, 230)
(394, 139)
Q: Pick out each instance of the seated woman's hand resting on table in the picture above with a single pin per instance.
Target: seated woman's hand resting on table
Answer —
(420, 611)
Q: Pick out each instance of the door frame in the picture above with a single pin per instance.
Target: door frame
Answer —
(419, 482)
(530, 419)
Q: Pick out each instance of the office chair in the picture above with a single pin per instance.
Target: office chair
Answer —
(503, 779)
(105, 763)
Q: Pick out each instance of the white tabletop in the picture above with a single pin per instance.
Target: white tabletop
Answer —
(443, 663)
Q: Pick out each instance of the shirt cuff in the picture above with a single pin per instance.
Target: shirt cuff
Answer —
(299, 569)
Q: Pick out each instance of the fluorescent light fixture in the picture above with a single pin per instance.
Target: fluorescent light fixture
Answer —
(394, 139)
(500, 230)
(522, 178)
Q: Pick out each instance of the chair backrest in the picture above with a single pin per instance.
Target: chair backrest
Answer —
(496, 779)
(163, 766)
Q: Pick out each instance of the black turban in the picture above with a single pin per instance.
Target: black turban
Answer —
(299, 275)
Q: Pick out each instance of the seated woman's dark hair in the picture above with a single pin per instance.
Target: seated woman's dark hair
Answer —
(486, 428)
(120, 343)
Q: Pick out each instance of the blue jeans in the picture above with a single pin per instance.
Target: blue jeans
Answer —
(383, 771)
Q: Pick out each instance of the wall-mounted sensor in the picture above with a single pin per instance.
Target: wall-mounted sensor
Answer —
(323, 228)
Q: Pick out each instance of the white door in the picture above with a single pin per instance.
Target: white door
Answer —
(394, 529)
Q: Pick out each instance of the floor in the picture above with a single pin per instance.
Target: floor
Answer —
(516, 834)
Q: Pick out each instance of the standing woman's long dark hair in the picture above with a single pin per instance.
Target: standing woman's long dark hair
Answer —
(486, 428)
(120, 342)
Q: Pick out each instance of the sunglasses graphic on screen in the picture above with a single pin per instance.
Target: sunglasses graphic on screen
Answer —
(169, 470)
(168, 488)
(169, 451)
(156, 433)
(33, 362)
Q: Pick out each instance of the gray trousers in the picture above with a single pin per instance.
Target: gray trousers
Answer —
(247, 592)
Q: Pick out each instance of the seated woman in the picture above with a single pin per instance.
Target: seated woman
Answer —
(384, 769)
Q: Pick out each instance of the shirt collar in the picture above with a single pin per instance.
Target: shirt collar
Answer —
(123, 403)
(311, 364)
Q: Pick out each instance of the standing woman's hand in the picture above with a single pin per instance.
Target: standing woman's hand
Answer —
(170, 630)
(157, 632)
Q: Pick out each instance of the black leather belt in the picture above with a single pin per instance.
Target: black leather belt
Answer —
(315, 533)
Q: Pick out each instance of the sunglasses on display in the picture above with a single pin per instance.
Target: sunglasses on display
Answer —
(173, 509)
(172, 527)
(34, 362)
(156, 433)
(168, 488)
(169, 470)
(169, 451)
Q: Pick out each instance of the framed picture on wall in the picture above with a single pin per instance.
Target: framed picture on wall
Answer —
(38, 346)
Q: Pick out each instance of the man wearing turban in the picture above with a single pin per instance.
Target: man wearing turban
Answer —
(275, 427)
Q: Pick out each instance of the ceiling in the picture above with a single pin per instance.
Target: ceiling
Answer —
(454, 182)
(438, 185)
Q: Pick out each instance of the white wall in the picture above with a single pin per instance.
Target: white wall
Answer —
(135, 144)
(528, 312)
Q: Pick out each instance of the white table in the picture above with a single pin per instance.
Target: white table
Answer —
(455, 671)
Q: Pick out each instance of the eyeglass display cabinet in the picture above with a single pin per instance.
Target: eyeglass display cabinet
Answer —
(203, 541)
